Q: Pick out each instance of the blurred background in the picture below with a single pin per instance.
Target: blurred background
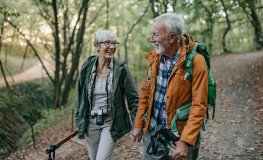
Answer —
(44, 42)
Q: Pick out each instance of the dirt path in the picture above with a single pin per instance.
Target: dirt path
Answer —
(236, 132)
(34, 72)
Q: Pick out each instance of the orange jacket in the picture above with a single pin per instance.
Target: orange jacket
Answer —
(179, 92)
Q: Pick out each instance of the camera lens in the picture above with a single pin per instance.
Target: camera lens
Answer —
(99, 120)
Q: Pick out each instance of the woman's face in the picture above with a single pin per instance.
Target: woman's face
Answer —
(107, 49)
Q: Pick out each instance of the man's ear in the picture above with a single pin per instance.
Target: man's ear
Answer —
(173, 37)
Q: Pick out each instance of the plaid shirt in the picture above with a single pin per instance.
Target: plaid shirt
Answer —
(165, 69)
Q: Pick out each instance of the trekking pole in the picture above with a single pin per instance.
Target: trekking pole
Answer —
(53, 148)
(31, 122)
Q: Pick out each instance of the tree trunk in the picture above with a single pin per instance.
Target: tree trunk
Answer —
(108, 14)
(3, 73)
(208, 33)
(253, 18)
(159, 7)
(57, 85)
(227, 29)
(75, 55)
(257, 25)
(155, 13)
(1, 64)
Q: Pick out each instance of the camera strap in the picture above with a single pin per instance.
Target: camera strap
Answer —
(109, 82)
(108, 86)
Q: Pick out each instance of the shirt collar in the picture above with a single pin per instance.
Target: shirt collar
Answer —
(110, 66)
(173, 59)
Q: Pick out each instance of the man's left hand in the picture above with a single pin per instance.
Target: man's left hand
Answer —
(181, 150)
(137, 134)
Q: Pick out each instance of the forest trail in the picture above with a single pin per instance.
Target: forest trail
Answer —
(34, 72)
(235, 133)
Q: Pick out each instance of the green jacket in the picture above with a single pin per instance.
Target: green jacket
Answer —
(123, 88)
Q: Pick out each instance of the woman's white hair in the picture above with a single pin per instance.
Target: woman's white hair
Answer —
(104, 35)
(173, 22)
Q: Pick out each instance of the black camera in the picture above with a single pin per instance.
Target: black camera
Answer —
(99, 115)
(166, 137)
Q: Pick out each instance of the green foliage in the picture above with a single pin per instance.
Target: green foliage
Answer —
(49, 118)
(2, 103)
(204, 19)
(21, 107)
(7, 10)
(7, 13)
(3, 153)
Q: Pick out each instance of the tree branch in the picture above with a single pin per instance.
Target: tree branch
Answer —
(130, 31)
(32, 47)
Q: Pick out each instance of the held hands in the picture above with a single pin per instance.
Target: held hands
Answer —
(181, 150)
(137, 134)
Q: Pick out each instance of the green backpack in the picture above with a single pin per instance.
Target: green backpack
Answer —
(182, 113)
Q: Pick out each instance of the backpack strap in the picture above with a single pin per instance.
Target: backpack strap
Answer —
(189, 63)
(183, 112)
(189, 73)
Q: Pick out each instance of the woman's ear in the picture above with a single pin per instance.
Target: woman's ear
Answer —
(97, 46)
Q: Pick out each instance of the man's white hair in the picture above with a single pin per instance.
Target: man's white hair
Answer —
(104, 35)
(173, 22)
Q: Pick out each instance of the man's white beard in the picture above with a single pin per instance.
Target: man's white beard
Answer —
(159, 49)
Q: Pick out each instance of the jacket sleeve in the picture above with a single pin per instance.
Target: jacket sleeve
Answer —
(130, 92)
(143, 103)
(199, 101)
(77, 104)
(79, 98)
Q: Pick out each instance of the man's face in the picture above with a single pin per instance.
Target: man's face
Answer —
(160, 37)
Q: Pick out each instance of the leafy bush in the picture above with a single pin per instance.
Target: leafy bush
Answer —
(21, 107)
(3, 153)
(49, 117)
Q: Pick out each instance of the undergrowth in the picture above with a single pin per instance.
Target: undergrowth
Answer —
(20, 107)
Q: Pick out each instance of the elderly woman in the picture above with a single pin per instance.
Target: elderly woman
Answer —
(104, 84)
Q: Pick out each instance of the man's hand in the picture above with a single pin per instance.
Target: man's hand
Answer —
(181, 150)
(137, 134)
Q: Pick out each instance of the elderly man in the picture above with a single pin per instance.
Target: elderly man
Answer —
(166, 89)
